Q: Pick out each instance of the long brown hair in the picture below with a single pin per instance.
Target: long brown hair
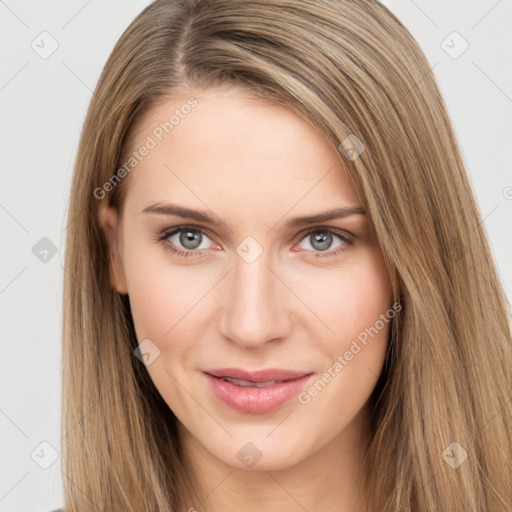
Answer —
(354, 71)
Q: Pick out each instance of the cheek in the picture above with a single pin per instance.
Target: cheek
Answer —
(364, 297)
(161, 295)
(357, 306)
(351, 299)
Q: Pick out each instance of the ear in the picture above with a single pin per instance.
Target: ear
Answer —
(110, 222)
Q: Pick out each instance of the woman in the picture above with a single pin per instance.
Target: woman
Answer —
(279, 294)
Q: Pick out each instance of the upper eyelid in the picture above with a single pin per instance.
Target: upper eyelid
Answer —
(166, 233)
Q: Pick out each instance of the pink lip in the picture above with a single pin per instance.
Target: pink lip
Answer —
(252, 399)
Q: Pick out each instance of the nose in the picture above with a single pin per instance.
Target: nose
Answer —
(255, 304)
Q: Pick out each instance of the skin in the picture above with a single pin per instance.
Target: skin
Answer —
(254, 165)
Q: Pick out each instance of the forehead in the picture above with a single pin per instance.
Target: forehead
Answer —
(235, 154)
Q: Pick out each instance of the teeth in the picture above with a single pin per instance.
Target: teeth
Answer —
(246, 383)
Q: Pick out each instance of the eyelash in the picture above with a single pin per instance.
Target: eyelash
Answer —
(164, 235)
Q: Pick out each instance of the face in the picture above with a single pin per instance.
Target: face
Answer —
(255, 289)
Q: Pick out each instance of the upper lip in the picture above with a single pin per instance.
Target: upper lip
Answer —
(265, 375)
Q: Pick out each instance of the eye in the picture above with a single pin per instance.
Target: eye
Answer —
(184, 240)
(321, 241)
(188, 241)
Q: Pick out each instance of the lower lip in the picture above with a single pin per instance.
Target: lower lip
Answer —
(256, 400)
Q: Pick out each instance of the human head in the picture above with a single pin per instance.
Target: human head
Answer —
(252, 291)
(330, 64)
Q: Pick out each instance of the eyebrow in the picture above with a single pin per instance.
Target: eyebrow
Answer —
(201, 216)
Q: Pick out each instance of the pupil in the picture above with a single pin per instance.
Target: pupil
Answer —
(321, 241)
(189, 239)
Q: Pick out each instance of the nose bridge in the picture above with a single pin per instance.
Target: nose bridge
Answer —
(253, 310)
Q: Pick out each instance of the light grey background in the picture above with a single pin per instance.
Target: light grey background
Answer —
(42, 106)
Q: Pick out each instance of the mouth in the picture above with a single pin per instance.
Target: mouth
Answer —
(257, 376)
(246, 383)
(256, 392)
